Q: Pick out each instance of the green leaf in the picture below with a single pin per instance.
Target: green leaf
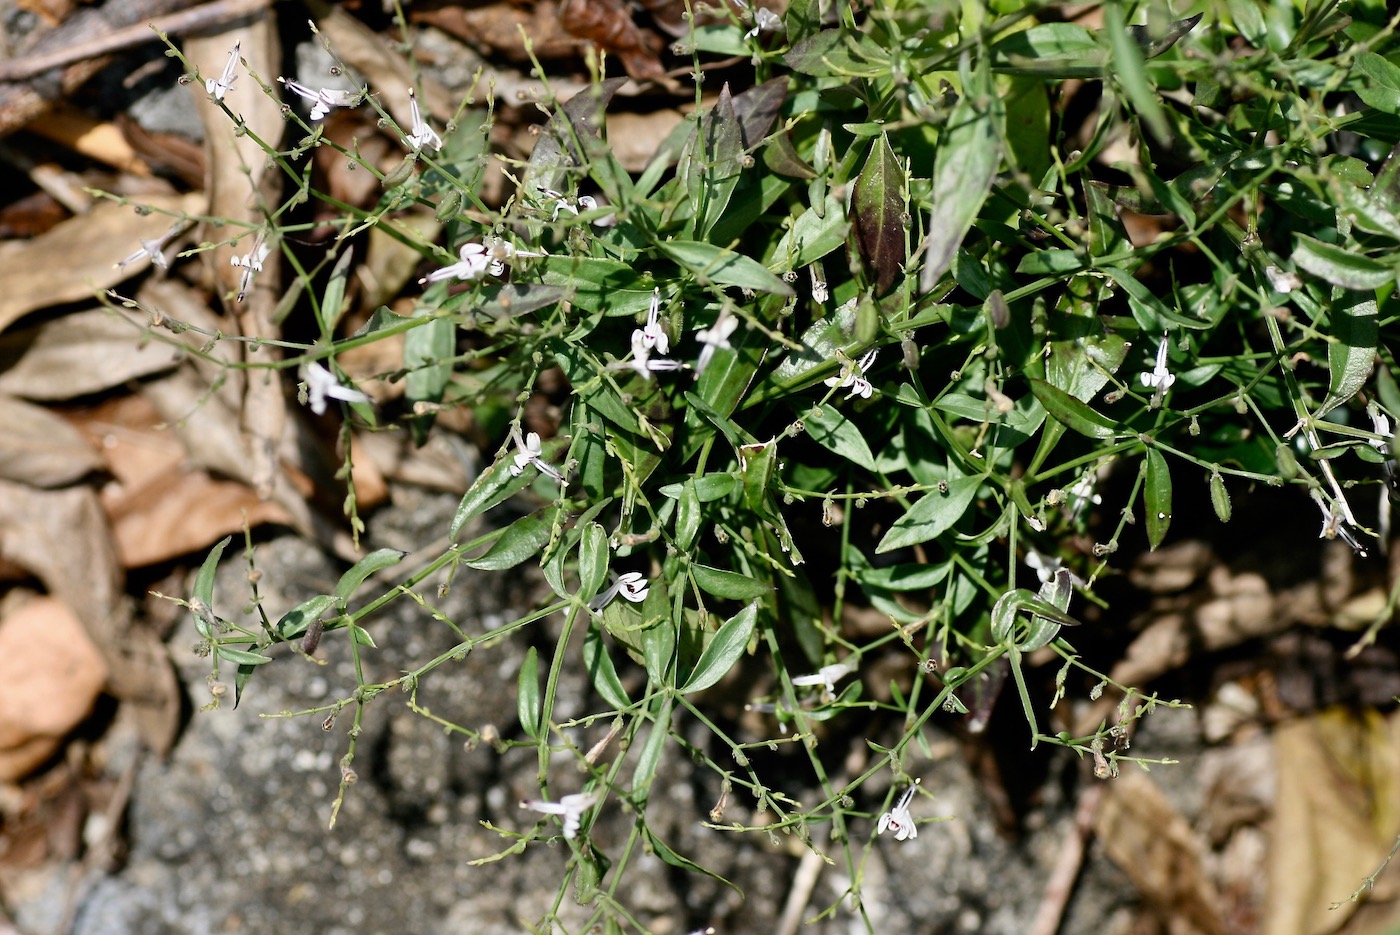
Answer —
(527, 694)
(688, 514)
(295, 621)
(1381, 89)
(876, 207)
(717, 264)
(492, 486)
(521, 540)
(1149, 311)
(728, 584)
(1050, 50)
(650, 757)
(969, 154)
(375, 561)
(1351, 354)
(838, 53)
(724, 650)
(333, 300)
(1157, 497)
(597, 285)
(601, 670)
(592, 560)
(1340, 266)
(204, 588)
(242, 657)
(710, 162)
(931, 515)
(813, 235)
(668, 856)
(362, 637)
(708, 488)
(427, 352)
(564, 143)
(834, 432)
(1071, 412)
(1128, 69)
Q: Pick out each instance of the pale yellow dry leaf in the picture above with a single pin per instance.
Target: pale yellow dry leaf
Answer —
(77, 259)
(40, 447)
(80, 353)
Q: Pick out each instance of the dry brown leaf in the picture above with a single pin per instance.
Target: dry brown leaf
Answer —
(77, 259)
(50, 675)
(608, 23)
(1337, 814)
(495, 28)
(78, 354)
(61, 537)
(1149, 840)
(635, 138)
(40, 447)
(158, 506)
(85, 134)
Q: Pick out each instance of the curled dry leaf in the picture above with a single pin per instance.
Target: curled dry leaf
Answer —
(159, 507)
(78, 354)
(76, 259)
(608, 23)
(50, 675)
(40, 447)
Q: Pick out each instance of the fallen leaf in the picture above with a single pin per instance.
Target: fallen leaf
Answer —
(608, 23)
(50, 675)
(159, 507)
(80, 353)
(40, 447)
(77, 259)
(1336, 815)
(498, 29)
(1145, 836)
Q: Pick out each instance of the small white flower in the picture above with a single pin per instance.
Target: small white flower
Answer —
(529, 451)
(1282, 281)
(570, 807)
(1082, 495)
(632, 585)
(764, 20)
(819, 291)
(1334, 523)
(1381, 426)
(1045, 567)
(827, 677)
(252, 263)
(653, 335)
(715, 338)
(853, 375)
(898, 818)
(321, 385)
(152, 249)
(223, 84)
(423, 136)
(642, 361)
(323, 99)
(1160, 379)
(474, 263)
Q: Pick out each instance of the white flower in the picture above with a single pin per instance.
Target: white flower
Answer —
(642, 361)
(1282, 281)
(423, 136)
(653, 335)
(827, 677)
(764, 20)
(1381, 426)
(819, 291)
(252, 263)
(1045, 567)
(1334, 523)
(853, 375)
(715, 338)
(322, 100)
(223, 84)
(898, 818)
(474, 263)
(1160, 379)
(152, 249)
(321, 385)
(529, 452)
(571, 807)
(632, 585)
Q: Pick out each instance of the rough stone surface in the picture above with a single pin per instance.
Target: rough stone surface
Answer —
(230, 834)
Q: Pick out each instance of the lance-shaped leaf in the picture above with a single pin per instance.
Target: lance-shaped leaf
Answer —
(710, 162)
(527, 694)
(1157, 496)
(931, 515)
(724, 650)
(1351, 354)
(969, 153)
(563, 143)
(1339, 266)
(716, 264)
(1070, 412)
(877, 205)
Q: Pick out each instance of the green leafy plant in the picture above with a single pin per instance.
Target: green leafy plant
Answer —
(873, 331)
